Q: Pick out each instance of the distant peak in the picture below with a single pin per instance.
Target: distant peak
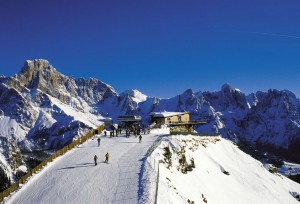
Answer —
(38, 61)
(188, 91)
(37, 64)
(134, 93)
(227, 88)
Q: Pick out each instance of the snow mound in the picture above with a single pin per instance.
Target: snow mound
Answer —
(214, 170)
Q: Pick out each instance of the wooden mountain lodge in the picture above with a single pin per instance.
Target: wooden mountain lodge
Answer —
(177, 121)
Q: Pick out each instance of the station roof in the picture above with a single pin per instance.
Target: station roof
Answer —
(106, 119)
(166, 114)
(129, 118)
(191, 122)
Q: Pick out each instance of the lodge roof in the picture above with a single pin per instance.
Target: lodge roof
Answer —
(166, 114)
(129, 118)
(191, 122)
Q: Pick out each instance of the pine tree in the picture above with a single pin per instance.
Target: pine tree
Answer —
(4, 180)
(168, 157)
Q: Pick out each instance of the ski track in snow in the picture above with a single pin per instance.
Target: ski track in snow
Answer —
(73, 178)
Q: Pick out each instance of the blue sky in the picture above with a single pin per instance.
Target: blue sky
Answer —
(160, 47)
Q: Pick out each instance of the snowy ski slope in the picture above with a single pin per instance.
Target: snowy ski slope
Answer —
(73, 178)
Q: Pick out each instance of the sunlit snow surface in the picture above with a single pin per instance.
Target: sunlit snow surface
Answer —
(73, 178)
(130, 178)
(248, 181)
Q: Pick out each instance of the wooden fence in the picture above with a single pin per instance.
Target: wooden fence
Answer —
(58, 153)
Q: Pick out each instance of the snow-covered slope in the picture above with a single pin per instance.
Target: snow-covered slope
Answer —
(222, 173)
(73, 178)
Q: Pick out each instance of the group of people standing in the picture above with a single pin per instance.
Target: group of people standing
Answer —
(105, 161)
(113, 133)
(96, 157)
(136, 132)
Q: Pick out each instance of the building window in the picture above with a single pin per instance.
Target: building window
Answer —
(179, 118)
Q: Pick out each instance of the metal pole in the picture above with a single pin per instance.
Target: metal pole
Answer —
(157, 181)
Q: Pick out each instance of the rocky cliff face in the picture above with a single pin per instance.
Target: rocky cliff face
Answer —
(11, 162)
(41, 108)
(39, 74)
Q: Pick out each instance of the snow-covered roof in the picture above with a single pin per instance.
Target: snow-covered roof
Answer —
(129, 118)
(166, 114)
(106, 119)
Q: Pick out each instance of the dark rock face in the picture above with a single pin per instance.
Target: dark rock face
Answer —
(12, 154)
(93, 90)
(14, 105)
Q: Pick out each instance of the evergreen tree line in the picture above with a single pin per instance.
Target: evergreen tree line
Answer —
(5, 181)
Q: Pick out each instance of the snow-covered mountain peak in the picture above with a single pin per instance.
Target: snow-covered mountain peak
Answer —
(135, 94)
(38, 65)
(37, 61)
(189, 93)
(39, 73)
(96, 83)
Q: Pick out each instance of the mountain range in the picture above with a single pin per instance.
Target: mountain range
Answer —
(42, 109)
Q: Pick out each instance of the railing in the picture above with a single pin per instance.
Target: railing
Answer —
(157, 182)
(194, 134)
(58, 153)
(154, 163)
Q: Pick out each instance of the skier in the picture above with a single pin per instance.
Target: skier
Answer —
(95, 159)
(104, 132)
(140, 137)
(99, 140)
(106, 157)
